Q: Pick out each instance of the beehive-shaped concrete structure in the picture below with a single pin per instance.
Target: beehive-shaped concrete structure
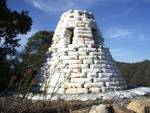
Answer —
(78, 61)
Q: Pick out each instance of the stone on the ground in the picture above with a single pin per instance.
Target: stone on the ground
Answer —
(140, 106)
(121, 109)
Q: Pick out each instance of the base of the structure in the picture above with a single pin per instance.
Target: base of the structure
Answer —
(104, 96)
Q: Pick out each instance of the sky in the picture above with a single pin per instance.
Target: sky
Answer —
(125, 24)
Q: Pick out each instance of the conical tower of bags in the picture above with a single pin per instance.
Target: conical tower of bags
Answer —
(78, 61)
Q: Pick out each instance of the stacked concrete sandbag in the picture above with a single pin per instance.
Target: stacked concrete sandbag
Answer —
(78, 61)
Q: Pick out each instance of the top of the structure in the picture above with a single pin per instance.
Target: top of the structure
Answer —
(76, 26)
(78, 12)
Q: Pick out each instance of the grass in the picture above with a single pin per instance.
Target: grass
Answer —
(19, 105)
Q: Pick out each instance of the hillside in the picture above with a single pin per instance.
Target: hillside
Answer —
(136, 73)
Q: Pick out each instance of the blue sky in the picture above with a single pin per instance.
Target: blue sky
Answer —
(125, 24)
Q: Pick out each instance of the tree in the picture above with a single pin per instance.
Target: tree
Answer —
(136, 73)
(12, 23)
(36, 48)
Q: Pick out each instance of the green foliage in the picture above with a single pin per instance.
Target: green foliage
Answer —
(12, 23)
(10, 69)
(4, 73)
(136, 73)
(36, 49)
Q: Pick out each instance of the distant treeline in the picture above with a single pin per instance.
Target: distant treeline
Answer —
(136, 73)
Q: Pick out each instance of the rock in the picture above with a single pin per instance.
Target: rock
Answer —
(121, 109)
(140, 106)
(100, 109)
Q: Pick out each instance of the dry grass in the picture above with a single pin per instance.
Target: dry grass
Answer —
(19, 105)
